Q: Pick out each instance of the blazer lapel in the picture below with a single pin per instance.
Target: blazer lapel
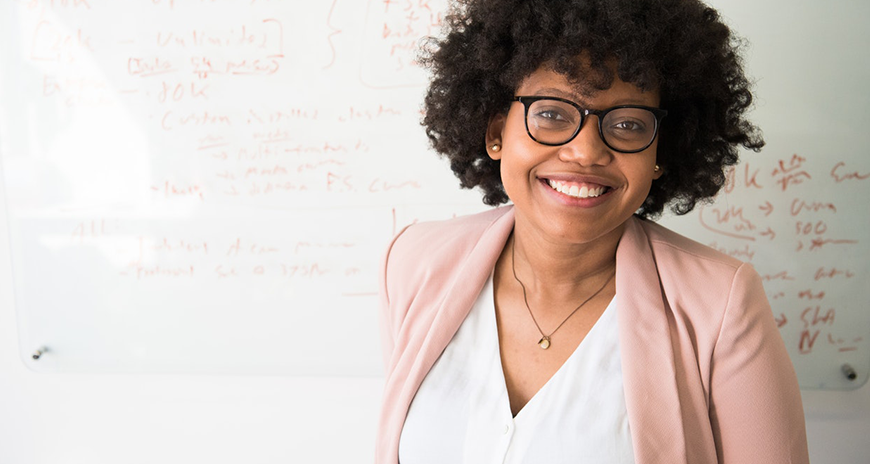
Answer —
(457, 301)
(647, 351)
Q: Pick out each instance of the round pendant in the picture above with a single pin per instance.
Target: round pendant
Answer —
(544, 343)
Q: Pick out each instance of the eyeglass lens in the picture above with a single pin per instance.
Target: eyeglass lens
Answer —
(624, 129)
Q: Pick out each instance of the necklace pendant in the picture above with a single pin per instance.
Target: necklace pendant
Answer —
(544, 343)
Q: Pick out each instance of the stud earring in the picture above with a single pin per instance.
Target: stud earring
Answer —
(657, 168)
(495, 147)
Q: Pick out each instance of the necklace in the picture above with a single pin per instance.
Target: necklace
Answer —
(544, 342)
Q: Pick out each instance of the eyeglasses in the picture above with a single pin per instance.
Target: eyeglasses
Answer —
(627, 128)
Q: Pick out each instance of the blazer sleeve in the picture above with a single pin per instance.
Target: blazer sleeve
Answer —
(755, 403)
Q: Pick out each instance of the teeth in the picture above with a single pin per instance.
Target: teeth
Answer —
(575, 191)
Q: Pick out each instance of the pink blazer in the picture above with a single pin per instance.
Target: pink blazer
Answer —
(707, 377)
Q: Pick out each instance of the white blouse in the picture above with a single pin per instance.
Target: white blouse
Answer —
(461, 412)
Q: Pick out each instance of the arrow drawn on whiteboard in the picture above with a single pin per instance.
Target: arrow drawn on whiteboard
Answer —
(769, 232)
(781, 320)
(767, 208)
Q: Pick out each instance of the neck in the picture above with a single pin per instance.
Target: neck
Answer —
(556, 270)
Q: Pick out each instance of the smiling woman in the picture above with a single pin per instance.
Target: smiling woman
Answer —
(567, 327)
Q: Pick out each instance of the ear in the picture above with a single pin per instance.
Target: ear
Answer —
(494, 132)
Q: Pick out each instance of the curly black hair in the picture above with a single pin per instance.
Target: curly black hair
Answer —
(680, 47)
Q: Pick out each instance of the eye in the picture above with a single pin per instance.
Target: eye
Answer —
(553, 116)
(627, 125)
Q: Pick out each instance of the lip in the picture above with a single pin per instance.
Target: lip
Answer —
(577, 179)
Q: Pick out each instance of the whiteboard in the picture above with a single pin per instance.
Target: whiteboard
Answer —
(207, 185)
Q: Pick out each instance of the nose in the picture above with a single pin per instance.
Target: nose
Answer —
(587, 148)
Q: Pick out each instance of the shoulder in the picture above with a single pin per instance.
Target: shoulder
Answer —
(429, 251)
(441, 241)
(669, 245)
(697, 281)
(682, 263)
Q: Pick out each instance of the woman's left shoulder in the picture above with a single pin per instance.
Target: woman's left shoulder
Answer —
(675, 252)
(696, 279)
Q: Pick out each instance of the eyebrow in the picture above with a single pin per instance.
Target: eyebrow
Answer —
(578, 99)
(554, 92)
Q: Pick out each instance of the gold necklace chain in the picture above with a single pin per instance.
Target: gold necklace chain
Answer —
(544, 342)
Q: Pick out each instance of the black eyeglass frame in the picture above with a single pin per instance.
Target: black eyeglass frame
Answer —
(584, 112)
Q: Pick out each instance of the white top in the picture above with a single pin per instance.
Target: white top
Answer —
(461, 413)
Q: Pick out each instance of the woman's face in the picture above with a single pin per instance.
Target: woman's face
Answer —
(604, 187)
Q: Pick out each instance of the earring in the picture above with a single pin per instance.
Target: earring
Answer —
(495, 147)
(657, 168)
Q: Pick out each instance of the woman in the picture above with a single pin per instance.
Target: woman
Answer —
(568, 327)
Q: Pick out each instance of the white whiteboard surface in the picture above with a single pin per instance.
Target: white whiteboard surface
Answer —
(207, 186)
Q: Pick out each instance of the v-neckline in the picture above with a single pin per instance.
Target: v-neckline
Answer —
(493, 328)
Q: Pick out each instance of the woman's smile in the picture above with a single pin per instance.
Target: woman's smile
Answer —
(577, 190)
(582, 193)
